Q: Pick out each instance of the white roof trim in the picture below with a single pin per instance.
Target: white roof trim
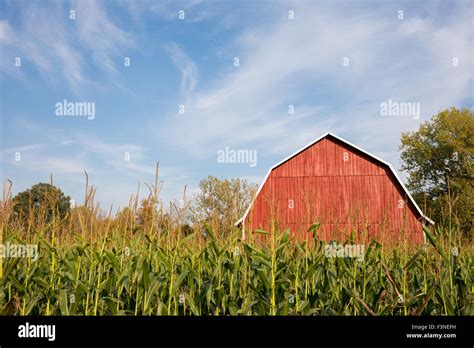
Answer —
(348, 143)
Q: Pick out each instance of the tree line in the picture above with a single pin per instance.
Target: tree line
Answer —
(437, 157)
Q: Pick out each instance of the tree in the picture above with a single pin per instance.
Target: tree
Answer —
(42, 199)
(439, 158)
(221, 202)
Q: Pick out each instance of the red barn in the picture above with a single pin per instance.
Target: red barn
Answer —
(341, 186)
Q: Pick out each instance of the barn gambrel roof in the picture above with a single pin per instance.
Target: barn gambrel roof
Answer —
(386, 164)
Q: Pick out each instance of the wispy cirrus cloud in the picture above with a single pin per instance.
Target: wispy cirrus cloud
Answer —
(192, 11)
(300, 62)
(60, 47)
(186, 66)
(104, 39)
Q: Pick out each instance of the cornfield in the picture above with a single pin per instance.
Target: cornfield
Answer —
(106, 266)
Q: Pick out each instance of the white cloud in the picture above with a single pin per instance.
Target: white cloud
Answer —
(103, 39)
(32, 161)
(59, 47)
(194, 10)
(289, 61)
(7, 36)
(415, 26)
(20, 149)
(111, 150)
(187, 67)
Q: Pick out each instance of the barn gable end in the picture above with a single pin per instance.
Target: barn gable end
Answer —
(342, 187)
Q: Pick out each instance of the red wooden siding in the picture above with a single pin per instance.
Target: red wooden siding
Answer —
(341, 187)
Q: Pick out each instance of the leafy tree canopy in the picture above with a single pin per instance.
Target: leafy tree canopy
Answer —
(439, 158)
(42, 199)
(223, 200)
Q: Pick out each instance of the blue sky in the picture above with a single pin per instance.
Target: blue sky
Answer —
(283, 61)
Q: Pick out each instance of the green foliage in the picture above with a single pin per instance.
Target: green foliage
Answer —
(119, 274)
(42, 199)
(439, 158)
(222, 202)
